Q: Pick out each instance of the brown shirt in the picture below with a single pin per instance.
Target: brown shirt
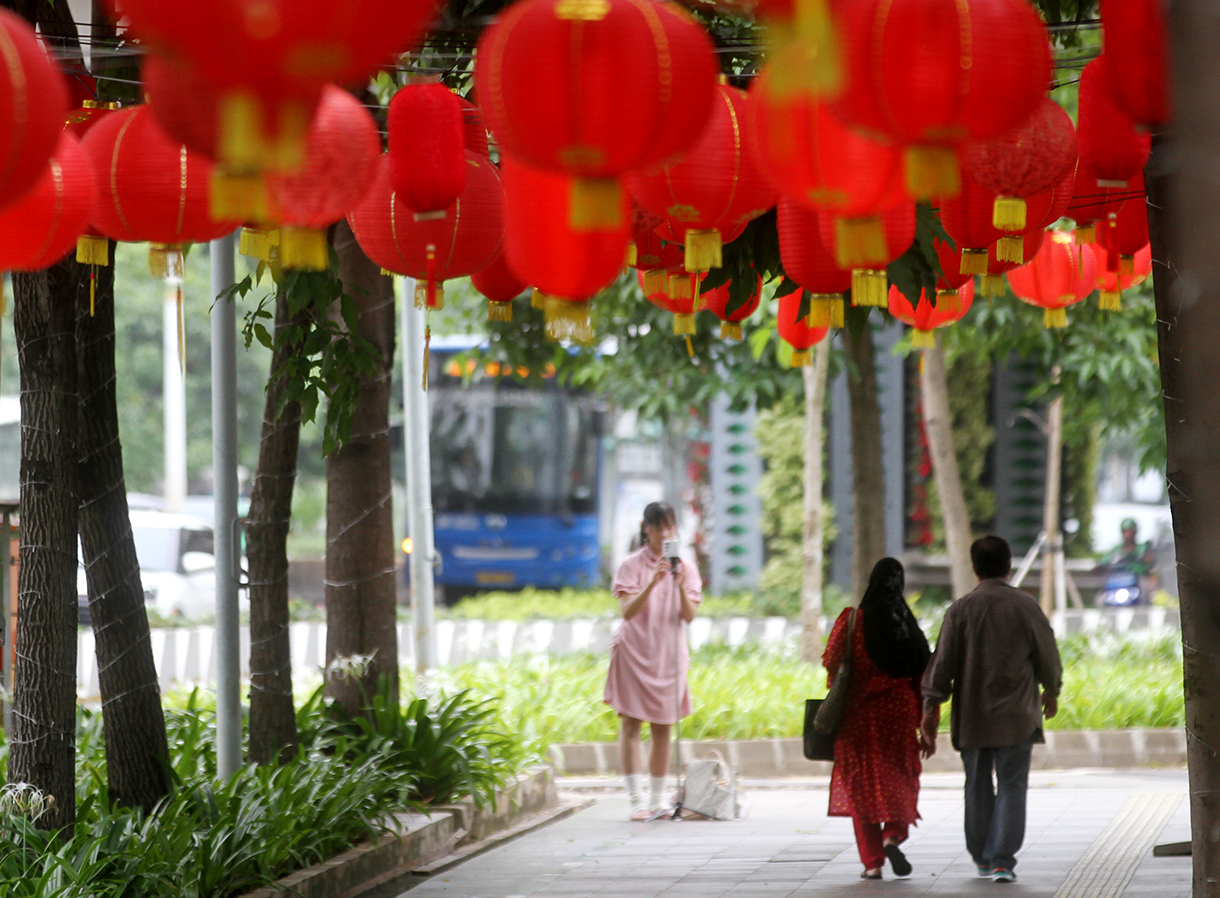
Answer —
(995, 648)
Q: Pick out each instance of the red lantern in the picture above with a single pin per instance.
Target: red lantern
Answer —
(1091, 203)
(802, 46)
(268, 61)
(1123, 235)
(1137, 41)
(33, 104)
(925, 317)
(992, 282)
(1110, 146)
(498, 283)
(951, 280)
(594, 91)
(152, 190)
(475, 130)
(968, 218)
(807, 154)
(40, 228)
(794, 329)
(1059, 275)
(1111, 284)
(868, 278)
(565, 265)
(91, 247)
(718, 299)
(677, 291)
(713, 189)
(933, 74)
(809, 263)
(650, 252)
(427, 144)
(1023, 161)
(432, 251)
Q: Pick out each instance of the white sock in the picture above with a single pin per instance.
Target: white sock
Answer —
(635, 796)
(657, 798)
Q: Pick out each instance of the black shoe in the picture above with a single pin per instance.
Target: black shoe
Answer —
(898, 860)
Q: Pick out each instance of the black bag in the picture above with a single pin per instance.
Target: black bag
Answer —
(818, 746)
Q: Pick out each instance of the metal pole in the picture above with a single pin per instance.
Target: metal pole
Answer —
(419, 480)
(228, 550)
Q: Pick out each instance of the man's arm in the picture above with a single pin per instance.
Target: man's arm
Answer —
(938, 682)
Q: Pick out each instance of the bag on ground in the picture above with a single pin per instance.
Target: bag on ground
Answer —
(709, 788)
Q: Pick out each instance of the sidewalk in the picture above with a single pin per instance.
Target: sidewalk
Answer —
(1089, 835)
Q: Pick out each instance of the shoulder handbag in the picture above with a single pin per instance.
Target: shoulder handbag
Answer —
(709, 789)
(830, 714)
(818, 746)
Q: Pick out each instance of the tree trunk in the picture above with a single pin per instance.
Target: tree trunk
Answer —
(868, 473)
(812, 543)
(361, 589)
(939, 423)
(1053, 547)
(43, 741)
(1182, 197)
(273, 730)
(136, 749)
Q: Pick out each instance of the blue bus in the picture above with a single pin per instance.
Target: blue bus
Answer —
(516, 478)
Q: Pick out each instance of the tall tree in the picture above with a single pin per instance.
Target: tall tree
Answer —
(812, 543)
(361, 589)
(43, 741)
(867, 471)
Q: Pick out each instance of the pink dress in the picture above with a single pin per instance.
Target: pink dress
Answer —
(644, 652)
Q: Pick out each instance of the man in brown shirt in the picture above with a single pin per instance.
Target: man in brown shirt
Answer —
(996, 649)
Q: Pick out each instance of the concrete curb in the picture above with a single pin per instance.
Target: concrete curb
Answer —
(784, 757)
(421, 840)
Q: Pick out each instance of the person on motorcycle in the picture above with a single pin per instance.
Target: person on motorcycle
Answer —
(1134, 558)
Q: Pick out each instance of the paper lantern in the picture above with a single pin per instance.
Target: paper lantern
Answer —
(951, 280)
(1022, 161)
(1119, 239)
(991, 283)
(1059, 275)
(33, 104)
(1091, 203)
(594, 90)
(868, 277)
(795, 330)
(1110, 146)
(38, 229)
(268, 61)
(427, 146)
(809, 263)
(969, 219)
(713, 189)
(1137, 41)
(433, 250)
(933, 74)
(651, 253)
(806, 153)
(676, 292)
(565, 265)
(474, 129)
(1111, 284)
(497, 282)
(718, 299)
(150, 188)
(925, 316)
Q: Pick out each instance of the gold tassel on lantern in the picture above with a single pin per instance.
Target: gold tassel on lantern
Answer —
(633, 254)
(595, 204)
(165, 261)
(932, 171)
(703, 250)
(303, 249)
(567, 320)
(1126, 266)
(429, 295)
(92, 249)
(1110, 301)
(1008, 213)
(948, 301)
(868, 287)
(1086, 234)
(684, 323)
(500, 311)
(1010, 249)
(991, 285)
(244, 142)
(859, 241)
(656, 280)
(238, 194)
(800, 358)
(1055, 317)
(974, 261)
(730, 330)
(537, 299)
(804, 53)
(680, 288)
(256, 243)
(922, 339)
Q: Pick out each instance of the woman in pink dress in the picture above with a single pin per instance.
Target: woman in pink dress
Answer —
(875, 779)
(649, 656)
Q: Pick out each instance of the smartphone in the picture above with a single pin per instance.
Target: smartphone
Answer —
(671, 548)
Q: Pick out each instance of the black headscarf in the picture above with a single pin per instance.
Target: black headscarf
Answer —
(891, 634)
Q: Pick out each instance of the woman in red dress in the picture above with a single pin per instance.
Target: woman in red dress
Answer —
(876, 768)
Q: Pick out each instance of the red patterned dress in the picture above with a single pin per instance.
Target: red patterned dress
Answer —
(877, 767)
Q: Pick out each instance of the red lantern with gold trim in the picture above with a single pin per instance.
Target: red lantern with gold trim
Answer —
(1120, 238)
(434, 250)
(795, 330)
(809, 264)
(868, 277)
(33, 104)
(500, 285)
(1091, 204)
(951, 280)
(925, 316)
(594, 90)
(992, 282)
(968, 219)
(1137, 40)
(1059, 275)
(718, 300)
(150, 188)
(427, 146)
(715, 188)
(1110, 146)
(565, 265)
(42, 226)
(933, 74)
(1111, 284)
